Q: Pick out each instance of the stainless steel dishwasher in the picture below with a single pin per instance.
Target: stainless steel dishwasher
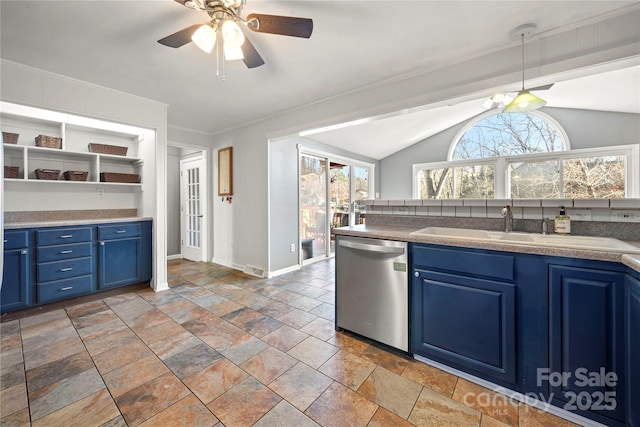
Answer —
(372, 289)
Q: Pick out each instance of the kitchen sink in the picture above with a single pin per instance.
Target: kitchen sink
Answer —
(549, 240)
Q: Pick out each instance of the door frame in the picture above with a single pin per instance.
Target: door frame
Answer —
(204, 229)
(329, 158)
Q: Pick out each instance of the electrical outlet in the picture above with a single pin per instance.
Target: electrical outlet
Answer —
(625, 216)
(293, 247)
(579, 214)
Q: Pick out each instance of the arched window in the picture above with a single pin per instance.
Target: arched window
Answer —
(525, 156)
(508, 134)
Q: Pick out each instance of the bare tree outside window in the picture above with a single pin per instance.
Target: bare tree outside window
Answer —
(508, 135)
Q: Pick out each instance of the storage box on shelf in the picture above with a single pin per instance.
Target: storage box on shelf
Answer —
(119, 177)
(48, 141)
(116, 150)
(76, 175)
(10, 138)
(52, 141)
(11, 171)
(50, 174)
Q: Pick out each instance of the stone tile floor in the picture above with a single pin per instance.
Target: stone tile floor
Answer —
(221, 348)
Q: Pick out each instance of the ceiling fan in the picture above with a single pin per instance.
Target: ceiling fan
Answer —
(501, 99)
(226, 20)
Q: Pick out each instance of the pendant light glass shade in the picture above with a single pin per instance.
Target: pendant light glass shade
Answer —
(205, 38)
(524, 101)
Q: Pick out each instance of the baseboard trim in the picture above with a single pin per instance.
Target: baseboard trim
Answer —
(176, 256)
(283, 271)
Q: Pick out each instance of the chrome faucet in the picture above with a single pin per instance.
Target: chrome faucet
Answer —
(545, 225)
(507, 214)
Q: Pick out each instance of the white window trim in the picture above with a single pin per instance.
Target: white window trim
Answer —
(502, 188)
(479, 118)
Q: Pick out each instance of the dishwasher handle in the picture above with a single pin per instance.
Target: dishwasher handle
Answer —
(371, 248)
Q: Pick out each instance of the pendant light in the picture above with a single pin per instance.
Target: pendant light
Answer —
(524, 100)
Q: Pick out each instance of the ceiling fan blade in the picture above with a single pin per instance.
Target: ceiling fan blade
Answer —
(283, 25)
(252, 58)
(543, 87)
(180, 38)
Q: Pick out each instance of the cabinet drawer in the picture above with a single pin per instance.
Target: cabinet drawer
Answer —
(62, 289)
(468, 263)
(64, 269)
(16, 239)
(122, 231)
(62, 252)
(60, 236)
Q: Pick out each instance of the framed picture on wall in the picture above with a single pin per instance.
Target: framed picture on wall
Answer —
(225, 171)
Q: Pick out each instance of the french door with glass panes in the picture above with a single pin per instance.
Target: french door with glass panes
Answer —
(329, 191)
(192, 209)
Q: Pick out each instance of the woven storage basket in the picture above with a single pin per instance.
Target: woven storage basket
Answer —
(129, 178)
(76, 175)
(48, 141)
(108, 149)
(47, 174)
(11, 171)
(10, 138)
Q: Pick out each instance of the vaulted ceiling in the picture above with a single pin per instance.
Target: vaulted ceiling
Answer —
(354, 44)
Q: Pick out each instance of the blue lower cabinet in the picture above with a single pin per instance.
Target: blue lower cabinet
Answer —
(466, 323)
(48, 264)
(633, 350)
(63, 289)
(122, 259)
(16, 280)
(587, 374)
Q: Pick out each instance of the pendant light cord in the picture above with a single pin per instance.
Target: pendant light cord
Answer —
(522, 36)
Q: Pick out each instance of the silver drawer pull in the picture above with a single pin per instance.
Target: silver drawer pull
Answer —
(5, 240)
(66, 252)
(68, 288)
(66, 269)
(66, 236)
(120, 231)
(23, 252)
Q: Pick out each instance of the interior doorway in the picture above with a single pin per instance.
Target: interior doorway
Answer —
(193, 208)
(329, 190)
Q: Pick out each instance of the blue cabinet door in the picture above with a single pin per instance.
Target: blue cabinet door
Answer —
(119, 262)
(586, 332)
(465, 323)
(633, 350)
(16, 281)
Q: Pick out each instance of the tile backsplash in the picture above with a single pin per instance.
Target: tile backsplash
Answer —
(600, 210)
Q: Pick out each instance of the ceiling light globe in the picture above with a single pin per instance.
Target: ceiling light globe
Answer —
(232, 34)
(205, 38)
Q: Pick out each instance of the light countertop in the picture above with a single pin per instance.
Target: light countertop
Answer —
(72, 222)
(402, 233)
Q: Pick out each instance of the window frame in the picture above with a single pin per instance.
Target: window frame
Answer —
(480, 117)
(502, 184)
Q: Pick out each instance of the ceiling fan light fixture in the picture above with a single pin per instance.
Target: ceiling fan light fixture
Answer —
(205, 38)
(524, 101)
(498, 100)
(232, 53)
(232, 34)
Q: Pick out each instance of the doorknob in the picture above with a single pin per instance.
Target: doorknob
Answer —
(199, 216)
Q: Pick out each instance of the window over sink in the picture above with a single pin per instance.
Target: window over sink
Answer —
(526, 155)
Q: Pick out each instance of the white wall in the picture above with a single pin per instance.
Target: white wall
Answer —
(188, 141)
(242, 227)
(284, 224)
(29, 86)
(584, 128)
